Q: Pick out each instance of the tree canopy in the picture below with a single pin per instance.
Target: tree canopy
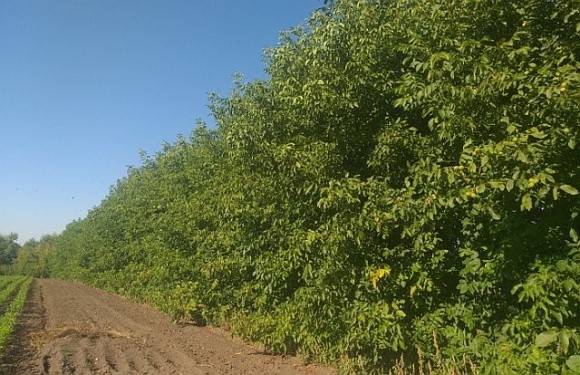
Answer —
(8, 248)
(404, 185)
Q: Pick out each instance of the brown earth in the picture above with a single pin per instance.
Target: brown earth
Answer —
(70, 328)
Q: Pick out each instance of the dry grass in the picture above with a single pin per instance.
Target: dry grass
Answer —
(79, 329)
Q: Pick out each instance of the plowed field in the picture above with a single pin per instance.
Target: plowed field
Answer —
(69, 328)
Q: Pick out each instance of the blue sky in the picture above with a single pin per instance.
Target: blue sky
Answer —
(86, 84)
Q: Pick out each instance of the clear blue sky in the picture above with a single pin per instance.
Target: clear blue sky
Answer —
(86, 84)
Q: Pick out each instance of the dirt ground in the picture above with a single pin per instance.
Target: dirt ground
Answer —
(69, 328)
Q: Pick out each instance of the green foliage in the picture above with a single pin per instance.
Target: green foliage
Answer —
(32, 258)
(17, 288)
(409, 171)
(8, 249)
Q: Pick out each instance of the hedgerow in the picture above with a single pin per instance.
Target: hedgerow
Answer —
(402, 188)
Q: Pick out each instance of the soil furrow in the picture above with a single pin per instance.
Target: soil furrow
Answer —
(70, 328)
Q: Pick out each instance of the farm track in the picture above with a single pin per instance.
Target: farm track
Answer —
(69, 328)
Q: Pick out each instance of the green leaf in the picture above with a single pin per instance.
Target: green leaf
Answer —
(546, 338)
(569, 285)
(569, 189)
(526, 202)
(484, 160)
(450, 177)
(493, 214)
(538, 134)
(573, 363)
(558, 316)
(573, 235)
(509, 185)
(564, 341)
(555, 193)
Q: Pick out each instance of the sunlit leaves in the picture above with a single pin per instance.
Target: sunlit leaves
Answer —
(569, 189)
(409, 170)
(573, 363)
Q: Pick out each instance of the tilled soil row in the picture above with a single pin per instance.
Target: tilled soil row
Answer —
(70, 328)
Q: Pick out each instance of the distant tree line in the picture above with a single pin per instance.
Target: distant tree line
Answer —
(29, 259)
(8, 249)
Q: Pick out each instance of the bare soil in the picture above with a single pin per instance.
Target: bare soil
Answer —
(70, 328)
